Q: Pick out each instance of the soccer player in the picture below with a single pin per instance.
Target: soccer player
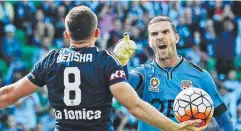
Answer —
(160, 81)
(81, 80)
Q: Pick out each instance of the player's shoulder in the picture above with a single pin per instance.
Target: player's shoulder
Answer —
(144, 68)
(197, 71)
(193, 67)
(104, 57)
(104, 53)
(51, 52)
(50, 55)
(45, 61)
(138, 69)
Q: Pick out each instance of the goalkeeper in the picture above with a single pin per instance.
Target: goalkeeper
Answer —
(159, 82)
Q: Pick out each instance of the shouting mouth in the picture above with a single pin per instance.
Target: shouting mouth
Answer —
(162, 47)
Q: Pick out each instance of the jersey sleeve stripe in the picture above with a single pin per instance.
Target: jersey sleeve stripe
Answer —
(140, 82)
(140, 87)
(219, 110)
(194, 65)
(113, 57)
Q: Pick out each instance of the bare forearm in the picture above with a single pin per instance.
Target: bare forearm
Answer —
(5, 96)
(152, 116)
(12, 93)
(140, 109)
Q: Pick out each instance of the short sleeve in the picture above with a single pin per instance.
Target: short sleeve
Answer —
(38, 74)
(139, 70)
(114, 70)
(138, 84)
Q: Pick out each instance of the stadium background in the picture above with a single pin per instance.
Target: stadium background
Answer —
(210, 37)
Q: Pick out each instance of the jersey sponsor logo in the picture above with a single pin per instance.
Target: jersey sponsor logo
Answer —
(186, 84)
(118, 74)
(162, 105)
(82, 114)
(154, 85)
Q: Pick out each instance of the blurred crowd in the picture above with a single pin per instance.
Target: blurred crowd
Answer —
(210, 34)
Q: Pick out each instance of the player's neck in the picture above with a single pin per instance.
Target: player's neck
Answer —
(171, 62)
(81, 44)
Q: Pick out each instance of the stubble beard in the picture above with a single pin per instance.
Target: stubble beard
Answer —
(169, 56)
(165, 61)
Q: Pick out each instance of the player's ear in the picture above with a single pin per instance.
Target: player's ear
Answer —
(149, 42)
(66, 34)
(177, 37)
(97, 33)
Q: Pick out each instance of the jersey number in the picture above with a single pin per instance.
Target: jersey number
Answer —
(72, 86)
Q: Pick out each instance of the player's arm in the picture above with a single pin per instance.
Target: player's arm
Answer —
(224, 122)
(27, 85)
(221, 114)
(136, 79)
(126, 95)
(123, 51)
(12, 93)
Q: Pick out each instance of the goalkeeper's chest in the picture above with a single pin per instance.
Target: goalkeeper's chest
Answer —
(160, 86)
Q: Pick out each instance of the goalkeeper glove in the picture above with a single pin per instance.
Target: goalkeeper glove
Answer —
(124, 49)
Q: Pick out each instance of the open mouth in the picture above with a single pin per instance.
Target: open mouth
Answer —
(162, 47)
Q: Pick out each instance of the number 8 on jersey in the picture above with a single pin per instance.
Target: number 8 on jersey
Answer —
(72, 86)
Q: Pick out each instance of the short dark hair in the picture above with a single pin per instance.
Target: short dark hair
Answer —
(163, 18)
(80, 22)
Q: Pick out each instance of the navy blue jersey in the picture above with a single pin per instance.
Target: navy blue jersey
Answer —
(78, 82)
(160, 87)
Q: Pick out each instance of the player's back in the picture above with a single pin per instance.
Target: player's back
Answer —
(78, 85)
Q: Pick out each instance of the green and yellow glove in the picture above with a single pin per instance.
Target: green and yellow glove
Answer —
(124, 49)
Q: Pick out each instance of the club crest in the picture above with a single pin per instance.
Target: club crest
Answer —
(186, 84)
(154, 83)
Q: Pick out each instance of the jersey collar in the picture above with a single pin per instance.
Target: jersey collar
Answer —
(82, 48)
(169, 73)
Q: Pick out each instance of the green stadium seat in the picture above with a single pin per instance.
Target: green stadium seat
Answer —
(237, 65)
(211, 64)
(3, 67)
(28, 52)
(21, 36)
